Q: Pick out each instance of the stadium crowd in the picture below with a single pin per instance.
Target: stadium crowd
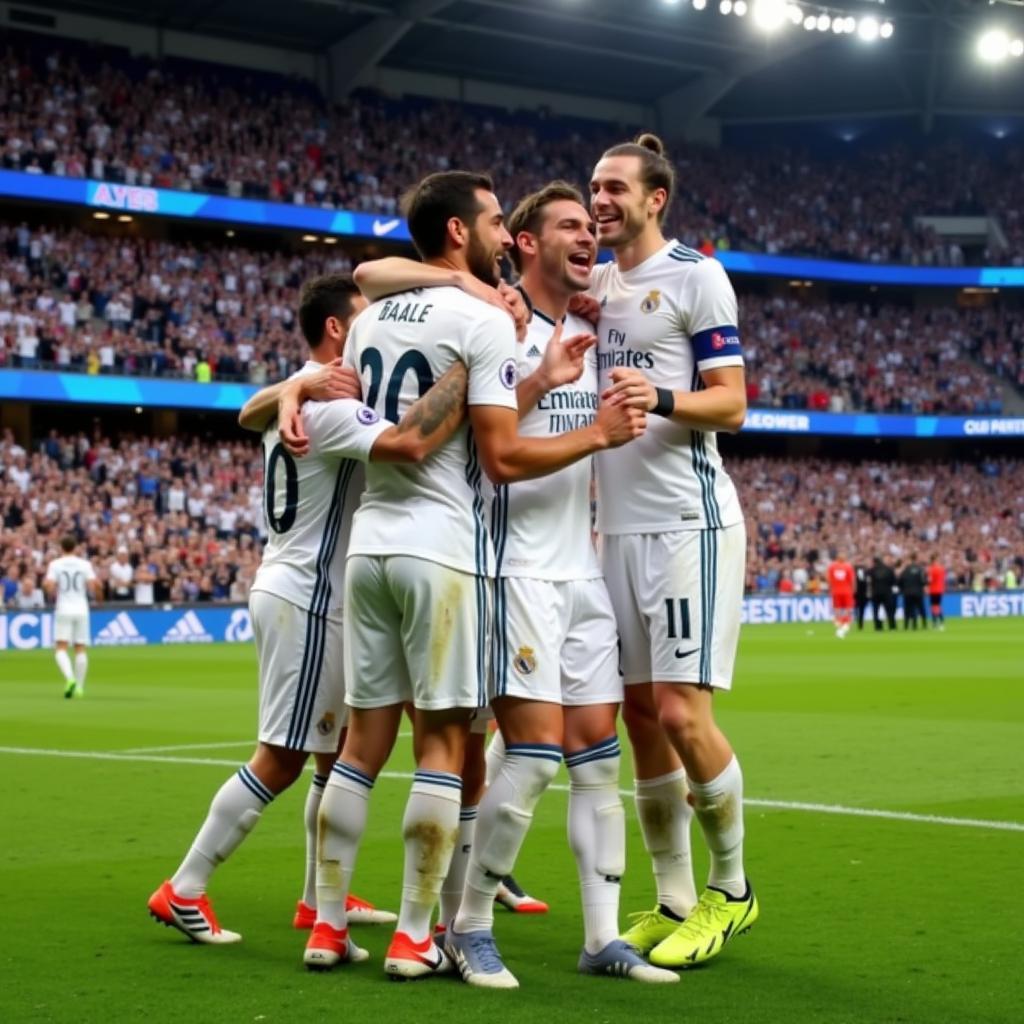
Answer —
(98, 304)
(182, 519)
(161, 520)
(77, 111)
(800, 512)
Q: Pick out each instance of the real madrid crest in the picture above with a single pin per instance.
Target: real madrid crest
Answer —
(651, 302)
(326, 724)
(524, 661)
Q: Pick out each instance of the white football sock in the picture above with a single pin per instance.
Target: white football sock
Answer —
(309, 818)
(233, 813)
(81, 667)
(597, 837)
(502, 823)
(718, 805)
(342, 821)
(494, 758)
(430, 828)
(455, 880)
(665, 824)
(64, 664)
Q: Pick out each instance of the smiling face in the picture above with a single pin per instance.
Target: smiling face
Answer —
(565, 246)
(622, 207)
(488, 240)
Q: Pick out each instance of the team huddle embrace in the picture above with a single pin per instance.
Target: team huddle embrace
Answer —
(431, 552)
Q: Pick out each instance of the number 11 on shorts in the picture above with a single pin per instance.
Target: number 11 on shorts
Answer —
(677, 606)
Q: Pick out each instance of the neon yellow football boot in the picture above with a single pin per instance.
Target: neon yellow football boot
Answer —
(648, 928)
(717, 918)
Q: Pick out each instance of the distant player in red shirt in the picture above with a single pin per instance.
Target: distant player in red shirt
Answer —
(936, 588)
(841, 582)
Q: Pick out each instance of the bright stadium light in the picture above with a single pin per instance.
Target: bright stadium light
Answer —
(868, 29)
(824, 22)
(849, 24)
(839, 26)
(794, 14)
(1017, 48)
(739, 8)
(725, 7)
(699, 5)
(769, 14)
(993, 46)
(810, 23)
(886, 30)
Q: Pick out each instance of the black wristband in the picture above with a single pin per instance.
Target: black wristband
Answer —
(666, 403)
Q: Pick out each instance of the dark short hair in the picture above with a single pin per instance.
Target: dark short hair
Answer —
(323, 297)
(429, 205)
(529, 213)
(655, 169)
(68, 543)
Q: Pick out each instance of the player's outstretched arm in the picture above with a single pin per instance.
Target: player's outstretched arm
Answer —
(562, 364)
(720, 406)
(507, 457)
(330, 382)
(428, 423)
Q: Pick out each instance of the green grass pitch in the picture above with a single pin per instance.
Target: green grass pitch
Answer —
(914, 917)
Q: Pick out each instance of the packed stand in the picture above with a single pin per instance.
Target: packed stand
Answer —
(802, 512)
(86, 303)
(161, 520)
(837, 357)
(95, 304)
(78, 111)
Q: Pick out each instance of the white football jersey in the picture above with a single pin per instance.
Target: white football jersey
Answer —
(400, 346)
(72, 576)
(309, 502)
(542, 527)
(671, 317)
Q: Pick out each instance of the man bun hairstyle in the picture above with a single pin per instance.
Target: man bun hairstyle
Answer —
(656, 170)
(529, 213)
(322, 297)
(429, 205)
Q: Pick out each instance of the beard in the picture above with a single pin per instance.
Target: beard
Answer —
(630, 228)
(481, 261)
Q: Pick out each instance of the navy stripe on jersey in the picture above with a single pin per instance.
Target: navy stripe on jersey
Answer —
(682, 255)
(316, 623)
(684, 250)
(473, 473)
(702, 468)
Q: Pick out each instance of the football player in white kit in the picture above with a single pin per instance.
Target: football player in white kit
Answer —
(673, 546)
(70, 580)
(296, 602)
(421, 561)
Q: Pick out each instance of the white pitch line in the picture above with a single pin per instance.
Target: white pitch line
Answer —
(186, 746)
(205, 746)
(777, 805)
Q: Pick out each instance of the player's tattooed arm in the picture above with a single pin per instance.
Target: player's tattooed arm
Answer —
(428, 423)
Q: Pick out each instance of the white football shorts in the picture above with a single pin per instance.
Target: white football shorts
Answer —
(555, 642)
(302, 682)
(71, 628)
(415, 631)
(677, 598)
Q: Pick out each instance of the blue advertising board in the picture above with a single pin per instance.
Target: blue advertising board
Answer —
(206, 624)
(138, 199)
(161, 393)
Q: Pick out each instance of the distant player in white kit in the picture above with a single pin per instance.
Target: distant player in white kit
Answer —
(296, 600)
(673, 546)
(70, 580)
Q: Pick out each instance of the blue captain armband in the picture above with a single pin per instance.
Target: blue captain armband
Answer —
(716, 343)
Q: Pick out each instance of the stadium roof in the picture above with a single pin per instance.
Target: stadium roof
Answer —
(647, 51)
